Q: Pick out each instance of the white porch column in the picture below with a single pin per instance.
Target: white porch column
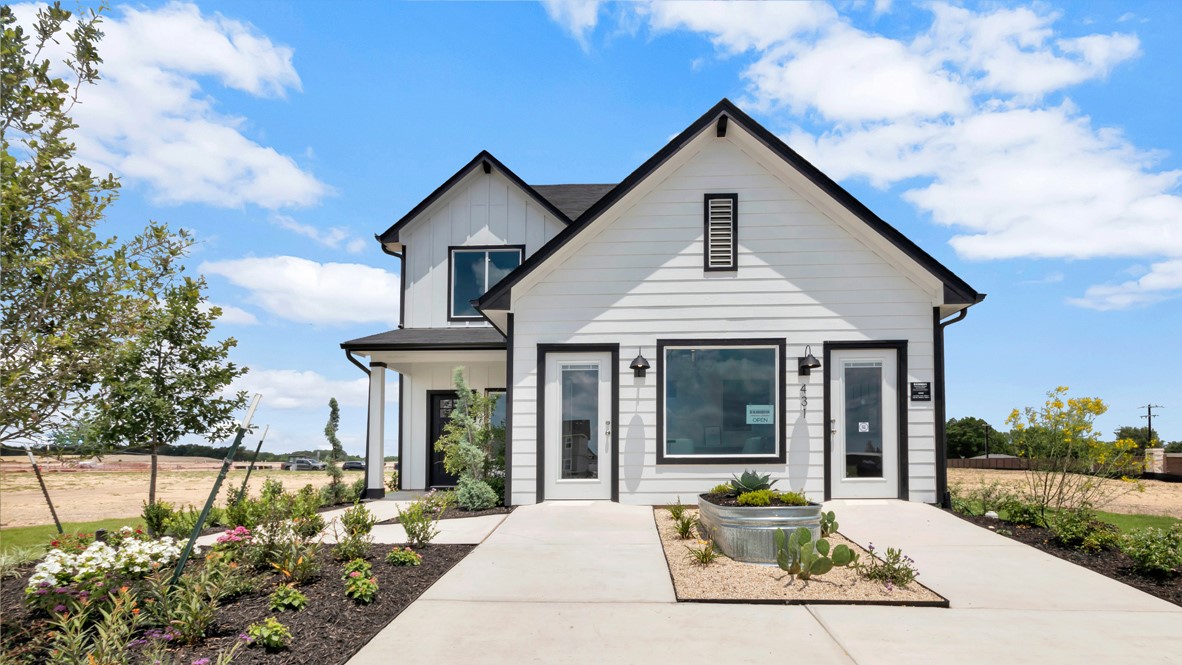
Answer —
(375, 438)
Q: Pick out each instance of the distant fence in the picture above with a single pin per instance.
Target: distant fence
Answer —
(1009, 463)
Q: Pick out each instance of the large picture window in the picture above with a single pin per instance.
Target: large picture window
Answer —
(720, 401)
(475, 270)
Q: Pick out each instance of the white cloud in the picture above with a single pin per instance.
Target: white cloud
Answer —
(235, 316)
(959, 116)
(333, 237)
(294, 389)
(305, 291)
(578, 17)
(149, 119)
(1163, 282)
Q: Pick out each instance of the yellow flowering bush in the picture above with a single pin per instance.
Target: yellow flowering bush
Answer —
(1070, 468)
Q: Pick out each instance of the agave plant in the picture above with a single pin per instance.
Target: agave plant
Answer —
(750, 482)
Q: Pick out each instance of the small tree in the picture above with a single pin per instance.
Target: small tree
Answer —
(1069, 467)
(68, 296)
(468, 446)
(966, 438)
(1138, 435)
(167, 382)
(335, 491)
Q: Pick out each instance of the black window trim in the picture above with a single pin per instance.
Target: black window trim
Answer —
(451, 251)
(780, 344)
(734, 266)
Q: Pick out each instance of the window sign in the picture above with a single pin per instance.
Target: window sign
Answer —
(863, 427)
(760, 414)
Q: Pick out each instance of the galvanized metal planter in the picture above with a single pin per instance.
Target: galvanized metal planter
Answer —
(747, 533)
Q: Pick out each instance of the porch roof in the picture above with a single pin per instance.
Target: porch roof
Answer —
(426, 339)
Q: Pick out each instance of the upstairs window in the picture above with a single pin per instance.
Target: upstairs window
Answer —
(721, 232)
(475, 270)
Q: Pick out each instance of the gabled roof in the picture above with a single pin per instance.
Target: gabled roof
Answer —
(487, 161)
(573, 199)
(425, 339)
(956, 290)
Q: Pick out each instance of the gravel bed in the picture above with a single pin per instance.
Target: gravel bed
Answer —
(727, 580)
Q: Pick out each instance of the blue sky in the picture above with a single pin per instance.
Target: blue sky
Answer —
(1033, 149)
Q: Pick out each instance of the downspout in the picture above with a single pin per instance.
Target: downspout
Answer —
(942, 493)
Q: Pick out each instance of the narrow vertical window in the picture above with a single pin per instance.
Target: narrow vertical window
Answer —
(721, 240)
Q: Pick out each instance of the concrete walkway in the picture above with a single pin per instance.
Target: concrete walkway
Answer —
(586, 582)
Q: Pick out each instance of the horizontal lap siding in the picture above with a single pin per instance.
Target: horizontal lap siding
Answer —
(484, 209)
(639, 277)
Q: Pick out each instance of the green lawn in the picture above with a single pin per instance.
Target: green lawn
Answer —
(1128, 523)
(39, 536)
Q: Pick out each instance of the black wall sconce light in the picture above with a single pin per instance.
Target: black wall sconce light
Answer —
(639, 365)
(808, 362)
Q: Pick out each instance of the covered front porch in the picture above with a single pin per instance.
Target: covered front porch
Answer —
(424, 359)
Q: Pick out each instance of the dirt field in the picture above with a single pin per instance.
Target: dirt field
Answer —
(1159, 498)
(85, 494)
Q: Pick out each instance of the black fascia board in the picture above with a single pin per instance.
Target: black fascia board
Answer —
(483, 159)
(497, 298)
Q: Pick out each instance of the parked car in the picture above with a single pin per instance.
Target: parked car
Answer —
(353, 465)
(303, 464)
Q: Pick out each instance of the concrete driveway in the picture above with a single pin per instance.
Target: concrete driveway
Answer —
(586, 582)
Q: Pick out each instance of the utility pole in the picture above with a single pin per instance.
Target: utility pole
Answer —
(1149, 415)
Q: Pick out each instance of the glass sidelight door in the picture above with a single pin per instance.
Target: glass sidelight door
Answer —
(864, 428)
(578, 431)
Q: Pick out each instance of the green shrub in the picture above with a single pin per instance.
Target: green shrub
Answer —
(677, 509)
(392, 481)
(474, 494)
(296, 561)
(1080, 529)
(722, 488)
(269, 634)
(420, 521)
(287, 597)
(1153, 550)
(190, 606)
(360, 584)
(156, 517)
(403, 556)
(180, 525)
(894, 569)
(230, 579)
(756, 498)
(272, 489)
(792, 498)
(497, 483)
(1020, 512)
(354, 543)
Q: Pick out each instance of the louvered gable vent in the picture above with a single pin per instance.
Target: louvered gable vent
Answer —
(722, 231)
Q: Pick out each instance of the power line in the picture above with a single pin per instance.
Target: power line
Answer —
(1149, 415)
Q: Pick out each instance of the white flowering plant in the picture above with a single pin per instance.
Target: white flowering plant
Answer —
(63, 579)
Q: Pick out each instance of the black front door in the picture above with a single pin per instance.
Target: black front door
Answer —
(442, 402)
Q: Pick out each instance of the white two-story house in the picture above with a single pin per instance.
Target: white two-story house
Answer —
(724, 307)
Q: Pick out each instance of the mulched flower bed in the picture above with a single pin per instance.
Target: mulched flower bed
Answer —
(455, 512)
(330, 630)
(731, 500)
(1109, 563)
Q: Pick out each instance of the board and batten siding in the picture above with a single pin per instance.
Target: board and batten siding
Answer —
(483, 209)
(418, 379)
(637, 275)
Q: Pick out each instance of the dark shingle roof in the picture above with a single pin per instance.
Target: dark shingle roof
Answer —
(572, 200)
(409, 339)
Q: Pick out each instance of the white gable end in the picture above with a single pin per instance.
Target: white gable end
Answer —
(482, 209)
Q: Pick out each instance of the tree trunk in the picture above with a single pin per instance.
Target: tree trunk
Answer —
(152, 479)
